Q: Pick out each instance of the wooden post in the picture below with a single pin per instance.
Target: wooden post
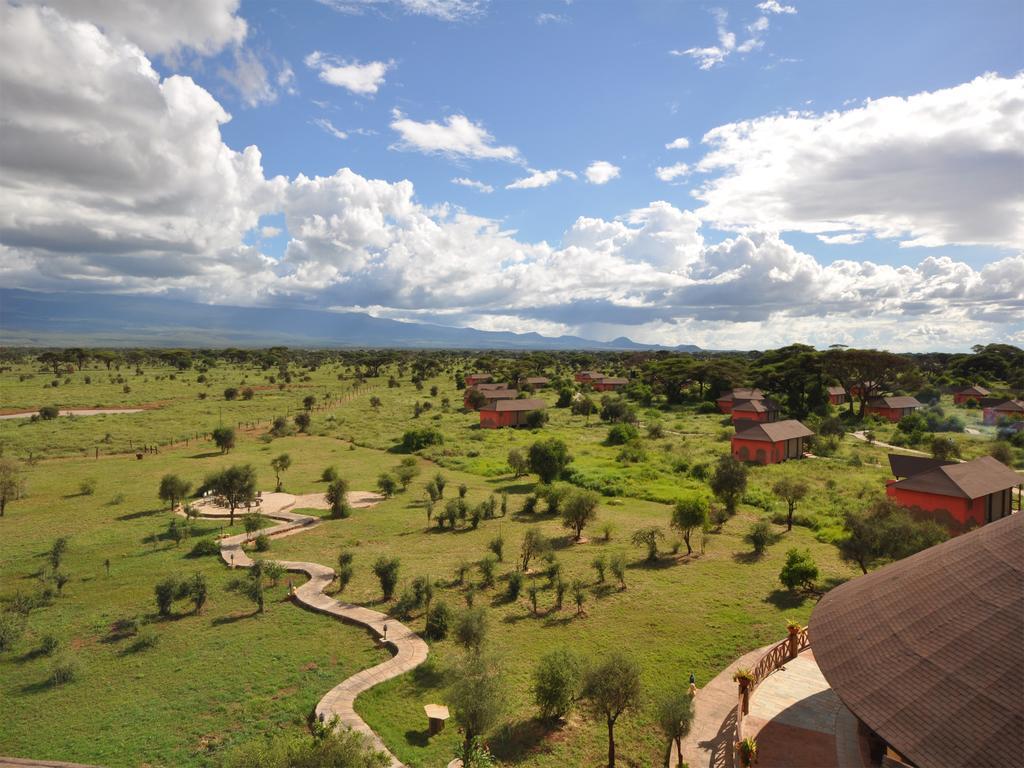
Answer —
(794, 640)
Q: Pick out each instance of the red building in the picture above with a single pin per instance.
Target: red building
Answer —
(586, 377)
(891, 407)
(836, 395)
(537, 382)
(477, 378)
(756, 410)
(609, 384)
(491, 393)
(770, 443)
(959, 495)
(973, 392)
(508, 413)
(726, 400)
(866, 386)
(1011, 410)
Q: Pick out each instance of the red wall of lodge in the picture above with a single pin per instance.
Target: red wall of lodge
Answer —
(961, 399)
(892, 414)
(761, 416)
(959, 509)
(837, 399)
(774, 452)
(600, 386)
(991, 417)
(496, 419)
(725, 406)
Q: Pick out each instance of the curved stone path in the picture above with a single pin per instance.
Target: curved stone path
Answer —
(410, 650)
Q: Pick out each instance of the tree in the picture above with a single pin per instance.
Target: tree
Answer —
(556, 683)
(729, 482)
(12, 485)
(224, 438)
(549, 458)
(308, 402)
(610, 688)
(57, 550)
(197, 592)
(799, 570)
(675, 718)
(165, 592)
(471, 629)
(231, 393)
(690, 514)
(649, 537)
(173, 489)
(885, 531)
(533, 545)
(280, 464)
(407, 471)
(336, 497)
(944, 448)
(386, 571)
(477, 696)
(760, 536)
(236, 485)
(579, 508)
(252, 585)
(387, 484)
(791, 491)
(618, 568)
(518, 463)
(302, 421)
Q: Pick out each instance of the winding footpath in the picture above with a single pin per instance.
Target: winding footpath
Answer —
(410, 650)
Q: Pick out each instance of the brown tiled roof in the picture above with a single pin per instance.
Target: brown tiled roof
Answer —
(895, 401)
(516, 405)
(591, 374)
(489, 387)
(968, 480)
(1010, 406)
(836, 391)
(538, 380)
(742, 394)
(908, 466)
(756, 406)
(500, 394)
(614, 380)
(927, 651)
(975, 390)
(775, 431)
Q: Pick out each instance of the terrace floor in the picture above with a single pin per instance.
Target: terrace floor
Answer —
(799, 721)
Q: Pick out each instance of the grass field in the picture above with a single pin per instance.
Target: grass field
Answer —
(228, 675)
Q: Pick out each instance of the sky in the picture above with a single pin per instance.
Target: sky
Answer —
(732, 175)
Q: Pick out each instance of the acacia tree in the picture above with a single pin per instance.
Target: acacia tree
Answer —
(534, 544)
(689, 515)
(791, 491)
(549, 458)
(885, 531)
(336, 497)
(280, 464)
(649, 537)
(609, 689)
(579, 508)
(675, 718)
(224, 438)
(173, 489)
(236, 485)
(729, 482)
(11, 482)
(518, 463)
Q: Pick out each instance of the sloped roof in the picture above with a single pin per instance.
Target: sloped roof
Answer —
(908, 466)
(927, 651)
(836, 391)
(974, 389)
(516, 405)
(1011, 406)
(756, 406)
(491, 387)
(500, 394)
(774, 431)
(967, 480)
(538, 380)
(895, 401)
(614, 380)
(742, 394)
(590, 374)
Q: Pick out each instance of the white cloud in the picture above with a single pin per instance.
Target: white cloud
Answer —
(457, 137)
(479, 186)
(445, 10)
(931, 169)
(326, 125)
(601, 172)
(249, 77)
(681, 143)
(161, 28)
(845, 238)
(538, 179)
(362, 79)
(773, 6)
(550, 18)
(672, 172)
(711, 56)
(270, 231)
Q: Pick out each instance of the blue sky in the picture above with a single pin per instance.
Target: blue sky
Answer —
(852, 171)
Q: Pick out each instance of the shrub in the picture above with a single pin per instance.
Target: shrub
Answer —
(620, 434)
(12, 626)
(556, 683)
(62, 673)
(471, 628)
(165, 592)
(760, 536)
(48, 644)
(143, 642)
(205, 548)
(87, 487)
(439, 619)
(548, 459)
(536, 419)
(386, 572)
(262, 543)
(497, 546)
(48, 412)
(387, 484)
(329, 475)
(799, 570)
(231, 393)
(487, 566)
(515, 585)
(632, 453)
(418, 439)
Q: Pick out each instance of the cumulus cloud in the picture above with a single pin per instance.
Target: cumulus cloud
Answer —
(538, 179)
(932, 169)
(362, 79)
(161, 28)
(550, 18)
(457, 137)
(672, 172)
(601, 172)
(681, 143)
(774, 6)
(479, 186)
(445, 10)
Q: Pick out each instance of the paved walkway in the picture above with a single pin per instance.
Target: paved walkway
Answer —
(710, 742)
(410, 650)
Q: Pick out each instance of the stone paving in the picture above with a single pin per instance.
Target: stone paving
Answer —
(410, 650)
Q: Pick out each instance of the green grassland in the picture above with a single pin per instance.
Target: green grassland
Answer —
(228, 675)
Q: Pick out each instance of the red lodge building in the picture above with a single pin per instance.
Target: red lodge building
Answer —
(836, 395)
(1011, 410)
(770, 443)
(609, 383)
(477, 378)
(727, 400)
(973, 392)
(508, 413)
(756, 410)
(960, 495)
(892, 408)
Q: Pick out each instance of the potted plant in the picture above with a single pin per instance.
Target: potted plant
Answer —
(747, 750)
(744, 677)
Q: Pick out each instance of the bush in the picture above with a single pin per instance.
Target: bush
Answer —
(205, 548)
(87, 487)
(471, 628)
(620, 434)
(48, 412)
(48, 644)
(386, 572)
(62, 673)
(418, 439)
(760, 536)
(536, 419)
(515, 585)
(165, 592)
(556, 683)
(799, 571)
(144, 642)
(329, 475)
(707, 407)
(12, 626)
(439, 619)
(231, 393)
(262, 543)
(632, 453)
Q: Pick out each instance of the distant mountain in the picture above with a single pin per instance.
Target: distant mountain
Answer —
(28, 318)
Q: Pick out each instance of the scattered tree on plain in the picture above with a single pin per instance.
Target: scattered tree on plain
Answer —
(609, 689)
